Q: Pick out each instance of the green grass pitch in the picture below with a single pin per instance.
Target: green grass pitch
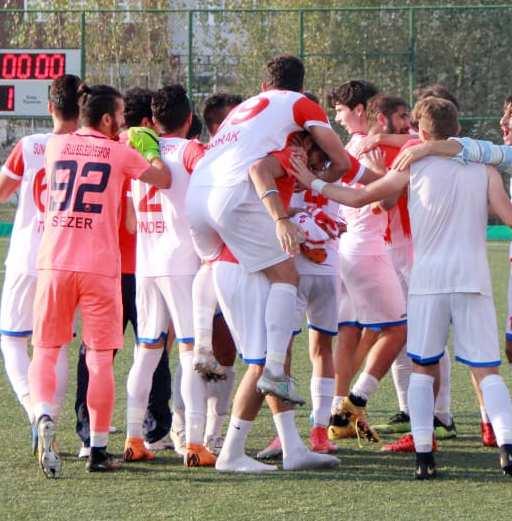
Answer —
(368, 485)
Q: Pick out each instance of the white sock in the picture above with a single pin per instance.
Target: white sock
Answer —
(177, 405)
(99, 439)
(322, 390)
(484, 416)
(138, 387)
(498, 406)
(62, 376)
(279, 321)
(204, 304)
(401, 371)
(421, 410)
(234, 444)
(442, 408)
(336, 403)
(218, 402)
(365, 385)
(193, 391)
(16, 360)
(288, 433)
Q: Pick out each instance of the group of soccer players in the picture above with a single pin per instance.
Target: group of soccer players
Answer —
(225, 246)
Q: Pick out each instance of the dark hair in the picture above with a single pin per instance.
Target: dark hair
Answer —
(381, 104)
(171, 107)
(312, 97)
(63, 94)
(437, 90)
(438, 116)
(217, 107)
(508, 101)
(352, 93)
(285, 72)
(196, 127)
(137, 106)
(95, 101)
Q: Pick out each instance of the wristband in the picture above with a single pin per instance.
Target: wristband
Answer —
(268, 192)
(318, 185)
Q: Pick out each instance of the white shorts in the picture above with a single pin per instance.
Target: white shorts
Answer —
(235, 216)
(243, 298)
(402, 258)
(16, 309)
(475, 332)
(160, 300)
(317, 298)
(371, 294)
(508, 327)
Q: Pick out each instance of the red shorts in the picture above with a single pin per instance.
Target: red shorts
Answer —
(59, 293)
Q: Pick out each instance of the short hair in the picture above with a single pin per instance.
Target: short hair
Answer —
(352, 93)
(95, 101)
(63, 94)
(382, 104)
(438, 90)
(215, 108)
(196, 127)
(438, 116)
(171, 107)
(507, 102)
(137, 106)
(285, 72)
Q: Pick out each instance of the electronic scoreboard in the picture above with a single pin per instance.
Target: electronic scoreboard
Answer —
(26, 75)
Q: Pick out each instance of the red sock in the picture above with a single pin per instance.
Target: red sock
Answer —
(42, 379)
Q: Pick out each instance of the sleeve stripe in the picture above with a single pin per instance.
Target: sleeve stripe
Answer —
(9, 173)
(360, 173)
(316, 123)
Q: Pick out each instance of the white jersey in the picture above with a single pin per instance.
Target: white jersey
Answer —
(252, 130)
(311, 200)
(448, 209)
(366, 226)
(26, 164)
(164, 245)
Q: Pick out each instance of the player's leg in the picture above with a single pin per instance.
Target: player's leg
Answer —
(55, 300)
(486, 430)
(15, 328)
(219, 393)
(102, 327)
(428, 324)
(476, 345)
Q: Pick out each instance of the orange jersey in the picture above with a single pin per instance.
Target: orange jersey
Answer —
(85, 173)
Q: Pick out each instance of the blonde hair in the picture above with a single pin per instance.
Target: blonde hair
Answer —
(439, 117)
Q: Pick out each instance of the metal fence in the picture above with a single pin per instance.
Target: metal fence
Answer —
(398, 48)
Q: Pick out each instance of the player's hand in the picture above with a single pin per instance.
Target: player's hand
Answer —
(410, 155)
(367, 144)
(289, 236)
(145, 141)
(374, 160)
(301, 171)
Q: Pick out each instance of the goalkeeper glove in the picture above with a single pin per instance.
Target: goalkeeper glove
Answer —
(145, 141)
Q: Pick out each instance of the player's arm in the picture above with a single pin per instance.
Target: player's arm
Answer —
(409, 155)
(7, 187)
(499, 202)
(331, 144)
(372, 141)
(263, 174)
(131, 217)
(145, 141)
(390, 185)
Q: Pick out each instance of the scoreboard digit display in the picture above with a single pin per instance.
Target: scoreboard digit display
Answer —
(26, 74)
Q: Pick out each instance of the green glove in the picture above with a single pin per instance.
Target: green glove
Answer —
(145, 141)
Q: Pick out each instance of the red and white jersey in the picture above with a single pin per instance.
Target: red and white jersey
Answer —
(252, 130)
(366, 226)
(26, 165)
(448, 205)
(164, 244)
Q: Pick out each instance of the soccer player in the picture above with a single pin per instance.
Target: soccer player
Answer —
(166, 265)
(448, 206)
(24, 171)
(158, 415)
(79, 264)
(371, 296)
(223, 206)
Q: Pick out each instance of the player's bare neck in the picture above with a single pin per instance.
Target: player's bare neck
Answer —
(64, 127)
